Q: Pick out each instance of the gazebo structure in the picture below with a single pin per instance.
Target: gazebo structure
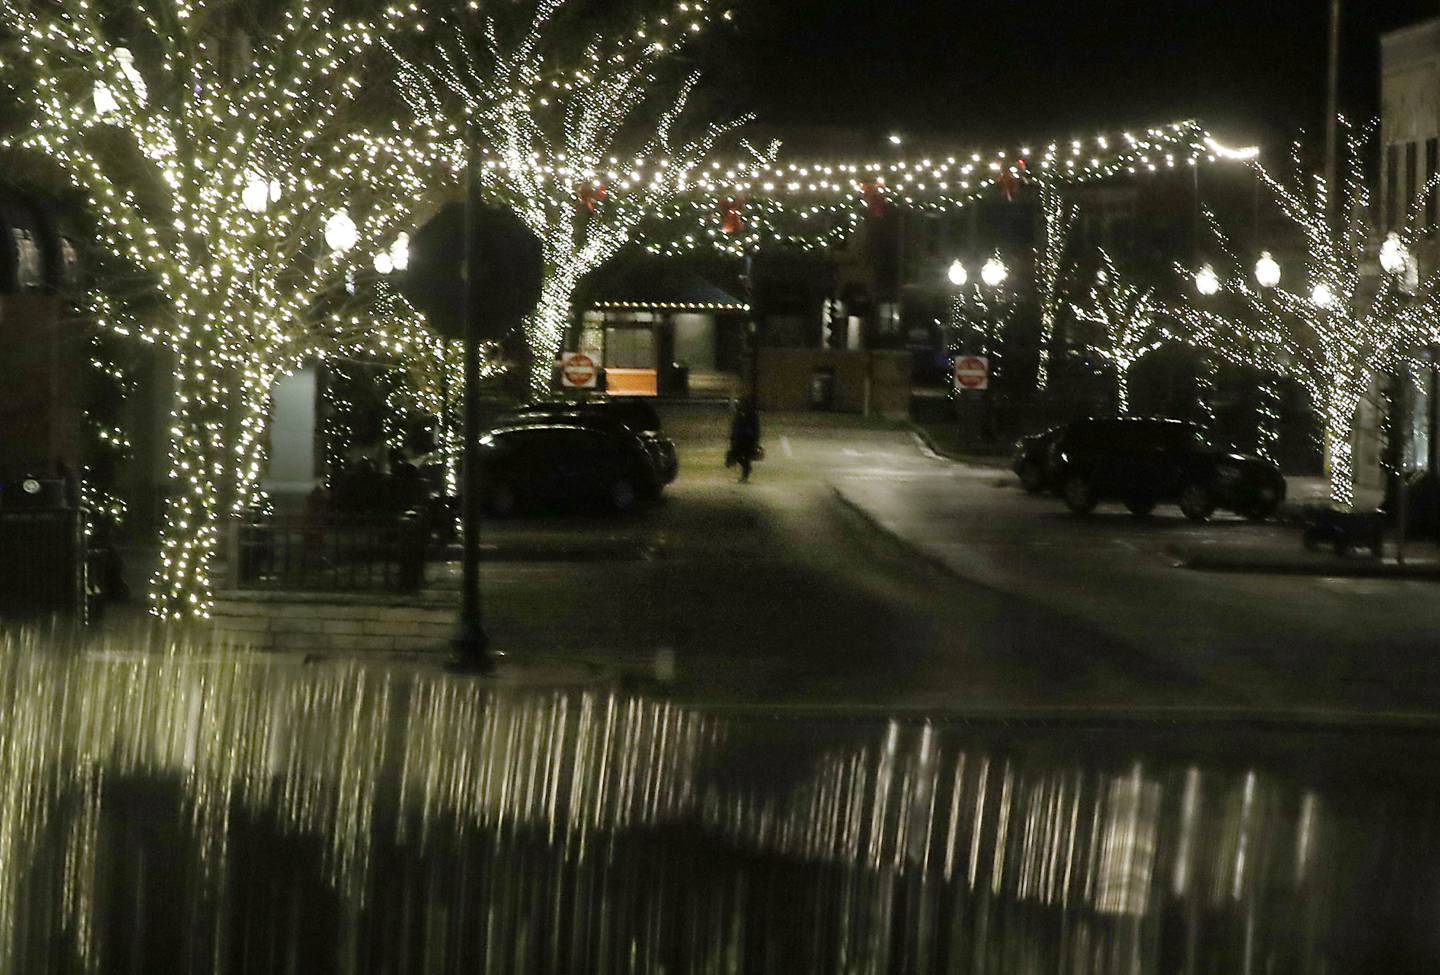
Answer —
(661, 330)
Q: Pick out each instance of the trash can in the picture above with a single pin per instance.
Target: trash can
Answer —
(822, 388)
(679, 379)
(42, 552)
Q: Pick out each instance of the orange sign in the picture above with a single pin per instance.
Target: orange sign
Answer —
(578, 370)
(972, 372)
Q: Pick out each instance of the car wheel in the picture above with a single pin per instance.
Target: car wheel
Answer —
(1196, 503)
(1032, 478)
(1259, 511)
(623, 496)
(1079, 494)
(1140, 507)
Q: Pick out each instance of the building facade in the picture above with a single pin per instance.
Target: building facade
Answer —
(1409, 164)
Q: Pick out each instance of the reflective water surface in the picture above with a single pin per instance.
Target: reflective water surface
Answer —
(167, 813)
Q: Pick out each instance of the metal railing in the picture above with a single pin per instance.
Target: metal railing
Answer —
(310, 554)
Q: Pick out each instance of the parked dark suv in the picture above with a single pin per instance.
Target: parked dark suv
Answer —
(1148, 461)
(638, 415)
(550, 461)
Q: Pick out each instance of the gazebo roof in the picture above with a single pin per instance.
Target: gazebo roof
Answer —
(661, 288)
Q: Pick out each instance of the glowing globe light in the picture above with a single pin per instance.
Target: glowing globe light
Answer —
(340, 232)
(1207, 282)
(400, 252)
(994, 272)
(383, 264)
(1393, 256)
(104, 99)
(1321, 296)
(256, 195)
(957, 274)
(1267, 270)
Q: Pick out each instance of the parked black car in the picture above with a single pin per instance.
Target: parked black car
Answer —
(1031, 459)
(552, 461)
(1148, 461)
(635, 414)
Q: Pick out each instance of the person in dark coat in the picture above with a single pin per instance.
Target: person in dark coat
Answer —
(744, 437)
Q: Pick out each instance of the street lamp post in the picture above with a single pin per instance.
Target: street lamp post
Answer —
(992, 274)
(1394, 261)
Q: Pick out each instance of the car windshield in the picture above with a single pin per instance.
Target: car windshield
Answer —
(682, 487)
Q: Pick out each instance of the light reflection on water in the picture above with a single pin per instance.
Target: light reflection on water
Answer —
(230, 813)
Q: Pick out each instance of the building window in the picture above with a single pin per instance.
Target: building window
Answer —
(1432, 163)
(29, 267)
(1392, 183)
(630, 348)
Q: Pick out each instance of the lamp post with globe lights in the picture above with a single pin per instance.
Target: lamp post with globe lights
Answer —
(1394, 262)
(1267, 271)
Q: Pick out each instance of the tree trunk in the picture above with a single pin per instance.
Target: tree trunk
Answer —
(546, 332)
(1340, 408)
(1122, 391)
(1047, 334)
(207, 469)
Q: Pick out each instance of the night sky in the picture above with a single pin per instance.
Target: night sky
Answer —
(1001, 69)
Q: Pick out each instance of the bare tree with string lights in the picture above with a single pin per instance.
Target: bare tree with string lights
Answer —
(1332, 338)
(584, 145)
(219, 153)
(1126, 314)
(1058, 219)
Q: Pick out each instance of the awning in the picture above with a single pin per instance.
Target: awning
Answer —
(662, 288)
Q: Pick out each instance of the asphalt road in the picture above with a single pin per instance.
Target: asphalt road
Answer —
(856, 569)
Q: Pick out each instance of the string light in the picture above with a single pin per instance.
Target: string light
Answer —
(1126, 315)
(241, 287)
(584, 156)
(1334, 338)
(1058, 219)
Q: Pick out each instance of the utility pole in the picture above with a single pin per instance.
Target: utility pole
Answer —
(1332, 107)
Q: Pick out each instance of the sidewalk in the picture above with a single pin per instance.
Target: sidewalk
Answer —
(1285, 554)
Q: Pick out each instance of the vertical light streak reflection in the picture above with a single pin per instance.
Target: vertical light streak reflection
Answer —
(454, 824)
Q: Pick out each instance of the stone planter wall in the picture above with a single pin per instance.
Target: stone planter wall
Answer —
(321, 622)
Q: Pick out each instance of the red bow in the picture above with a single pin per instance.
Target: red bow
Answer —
(1008, 183)
(730, 220)
(875, 201)
(591, 195)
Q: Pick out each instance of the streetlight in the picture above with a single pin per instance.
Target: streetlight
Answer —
(1207, 282)
(1267, 270)
(896, 138)
(994, 272)
(1321, 296)
(957, 274)
(341, 233)
(258, 194)
(1393, 255)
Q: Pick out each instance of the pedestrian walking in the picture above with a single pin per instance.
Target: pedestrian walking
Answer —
(744, 437)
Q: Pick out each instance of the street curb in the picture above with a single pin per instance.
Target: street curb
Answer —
(1000, 463)
(1357, 569)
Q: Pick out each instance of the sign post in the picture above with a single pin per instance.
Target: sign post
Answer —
(479, 291)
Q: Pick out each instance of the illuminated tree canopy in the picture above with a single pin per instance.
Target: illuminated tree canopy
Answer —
(230, 182)
(1339, 330)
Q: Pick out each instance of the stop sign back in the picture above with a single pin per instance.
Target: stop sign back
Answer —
(972, 372)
